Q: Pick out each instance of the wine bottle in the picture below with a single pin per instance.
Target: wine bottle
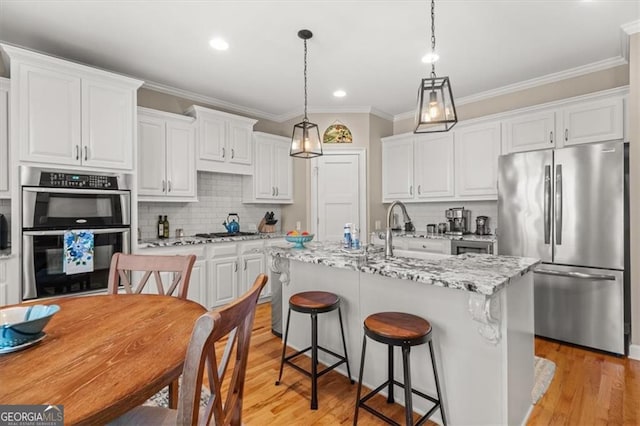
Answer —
(160, 227)
(166, 227)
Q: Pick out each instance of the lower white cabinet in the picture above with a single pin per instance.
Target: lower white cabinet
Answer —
(4, 139)
(223, 283)
(4, 286)
(429, 245)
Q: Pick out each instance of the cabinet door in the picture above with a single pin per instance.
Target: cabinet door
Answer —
(107, 125)
(211, 138)
(240, 143)
(252, 266)
(593, 121)
(477, 149)
(530, 131)
(4, 140)
(181, 159)
(397, 169)
(434, 166)
(4, 287)
(223, 279)
(197, 289)
(264, 170)
(282, 171)
(151, 156)
(48, 116)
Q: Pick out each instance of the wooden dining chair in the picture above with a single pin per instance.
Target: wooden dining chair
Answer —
(123, 267)
(233, 322)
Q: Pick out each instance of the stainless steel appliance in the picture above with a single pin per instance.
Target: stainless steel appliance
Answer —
(482, 225)
(551, 205)
(462, 246)
(4, 232)
(459, 220)
(54, 202)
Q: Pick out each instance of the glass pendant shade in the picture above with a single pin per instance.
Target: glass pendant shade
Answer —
(305, 141)
(436, 111)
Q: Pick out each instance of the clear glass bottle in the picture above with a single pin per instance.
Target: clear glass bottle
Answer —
(166, 227)
(160, 227)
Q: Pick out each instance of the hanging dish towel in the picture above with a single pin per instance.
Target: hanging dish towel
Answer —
(78, 252)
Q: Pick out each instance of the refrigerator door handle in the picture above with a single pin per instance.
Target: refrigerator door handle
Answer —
(558, 204)
(581, 275)
(547, 204)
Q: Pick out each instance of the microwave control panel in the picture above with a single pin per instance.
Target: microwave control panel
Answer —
(69, 180)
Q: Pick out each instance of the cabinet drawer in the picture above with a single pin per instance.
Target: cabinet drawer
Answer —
(250, 246)
(432, 246)
(198, 250)
(222, 250)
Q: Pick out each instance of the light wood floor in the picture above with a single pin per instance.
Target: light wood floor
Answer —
(588, 388)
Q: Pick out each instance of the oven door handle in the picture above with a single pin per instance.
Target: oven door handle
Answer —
(75, 190)
(62, 231)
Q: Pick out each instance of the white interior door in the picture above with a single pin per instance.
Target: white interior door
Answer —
(338, 195)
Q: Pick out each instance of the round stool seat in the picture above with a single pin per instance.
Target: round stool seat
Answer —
(397, 328)
(314, 301)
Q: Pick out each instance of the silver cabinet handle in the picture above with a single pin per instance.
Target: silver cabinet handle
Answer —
(223, 153)
(235, 266)
(273, 191)
(566, 134)
(581, 275)
(168, 186)
(86, 153)
(277, 191)
(233, 152)
(551, 137)
(547, 204)
(411, 190)
(164, 186)
(419, 189)
(558, 204)
(77, 152)
(245, 264)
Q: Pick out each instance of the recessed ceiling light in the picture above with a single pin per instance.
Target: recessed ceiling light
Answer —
(339, 93)
(218, 43)
(430, 58)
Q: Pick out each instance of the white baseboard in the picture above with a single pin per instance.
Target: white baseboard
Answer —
(634, 352)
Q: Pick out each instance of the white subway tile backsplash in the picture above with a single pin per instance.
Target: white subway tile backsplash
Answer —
(424, 213)
(218, 195)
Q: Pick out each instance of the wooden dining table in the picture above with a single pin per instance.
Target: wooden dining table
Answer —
(102, 355)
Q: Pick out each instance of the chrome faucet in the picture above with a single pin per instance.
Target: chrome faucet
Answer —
(388, 243)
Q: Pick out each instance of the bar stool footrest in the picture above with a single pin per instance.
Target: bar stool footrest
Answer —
(288, 358)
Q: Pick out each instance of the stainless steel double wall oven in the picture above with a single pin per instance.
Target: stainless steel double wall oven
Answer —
(54, 202)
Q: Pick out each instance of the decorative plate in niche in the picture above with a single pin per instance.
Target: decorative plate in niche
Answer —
(337, 133)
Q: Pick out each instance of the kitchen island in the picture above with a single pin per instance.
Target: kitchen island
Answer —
(480, 308)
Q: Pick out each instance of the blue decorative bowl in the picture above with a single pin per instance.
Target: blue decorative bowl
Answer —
(22, 324)
(298, 240)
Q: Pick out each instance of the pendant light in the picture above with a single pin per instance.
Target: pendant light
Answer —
(305, 141)
(436, 111)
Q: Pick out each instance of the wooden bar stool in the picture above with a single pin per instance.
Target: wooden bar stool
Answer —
(404, 330)
(314, 303)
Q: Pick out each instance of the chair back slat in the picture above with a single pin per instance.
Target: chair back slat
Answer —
(234, 322)
(124, 265)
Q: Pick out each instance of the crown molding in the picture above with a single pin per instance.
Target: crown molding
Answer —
(336, 110)
(534, 82)
(209, 100)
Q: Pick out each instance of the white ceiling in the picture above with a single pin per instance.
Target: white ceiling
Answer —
(370, 49)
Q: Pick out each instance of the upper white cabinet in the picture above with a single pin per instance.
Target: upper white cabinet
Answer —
(477, 149)
(589, 119)
(4, 138)
(397, 168)
(166, 156)
(224, 141)
(69, 114)
(272, 179)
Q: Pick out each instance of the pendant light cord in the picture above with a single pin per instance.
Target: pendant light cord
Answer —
(305, 81)
(433, 38)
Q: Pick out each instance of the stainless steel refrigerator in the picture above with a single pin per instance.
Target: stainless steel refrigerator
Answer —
(569, 207)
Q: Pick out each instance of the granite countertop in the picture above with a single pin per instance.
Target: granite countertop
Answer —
(479, 273)
(186, 241)
(465, 237)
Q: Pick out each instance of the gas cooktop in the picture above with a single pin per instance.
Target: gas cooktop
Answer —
(224, 234)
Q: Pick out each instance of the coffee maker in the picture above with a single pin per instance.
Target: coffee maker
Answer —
(459, 220)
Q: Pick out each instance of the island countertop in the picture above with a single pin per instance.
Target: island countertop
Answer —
(477, 273)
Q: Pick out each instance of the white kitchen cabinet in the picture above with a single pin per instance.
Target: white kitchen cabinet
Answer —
(429, 245)
(252, 263)
(4, 285)
(272, 179)
(166, 157)
(69, 114)
(222, 265)
(592, 118)
(4, 139)
(477, 149)
(224, 141)
(417, 167)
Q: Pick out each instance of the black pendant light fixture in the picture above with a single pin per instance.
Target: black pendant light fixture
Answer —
(305, 141)
(436, 111)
